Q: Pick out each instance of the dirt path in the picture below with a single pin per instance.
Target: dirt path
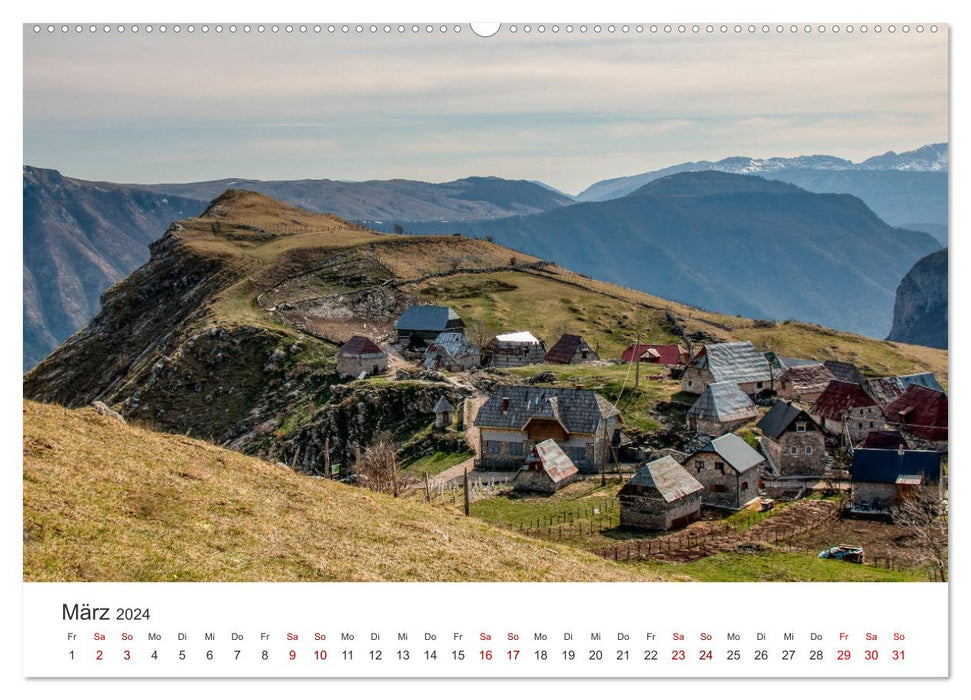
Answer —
(472, 406)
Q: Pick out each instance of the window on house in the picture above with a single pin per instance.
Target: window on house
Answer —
(718, 488)
(515, 448)
(690, 383)
(793, 450)
(744, 485)
(720, 466)
(492, 447)
(800, 427)
(871, 424)
(759, 384)
(699, 465)
(809, 449)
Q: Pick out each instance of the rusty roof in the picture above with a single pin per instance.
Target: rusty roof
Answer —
(921, 411)
(668, 478)
(359, 345)
(665, 354)
(806, 379)
(565, 348)
(839, 397)
(553, 460)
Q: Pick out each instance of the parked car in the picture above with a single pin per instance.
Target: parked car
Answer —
(844, 552)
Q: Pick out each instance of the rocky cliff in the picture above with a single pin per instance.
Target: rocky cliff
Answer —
(920, 311)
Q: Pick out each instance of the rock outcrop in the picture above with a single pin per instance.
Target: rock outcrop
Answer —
(920, 311)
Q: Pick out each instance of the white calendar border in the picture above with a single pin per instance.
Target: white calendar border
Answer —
(512, 10)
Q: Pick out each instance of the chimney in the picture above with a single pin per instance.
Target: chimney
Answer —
(505, 405)
(900, 450)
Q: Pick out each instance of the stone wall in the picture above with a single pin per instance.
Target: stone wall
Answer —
(648, 511)
(694, 380)
(800, 463)
(883, 495)
(539, 481)
(724, 487)
(353, 365)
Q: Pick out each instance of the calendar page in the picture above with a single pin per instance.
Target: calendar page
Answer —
(528, 349)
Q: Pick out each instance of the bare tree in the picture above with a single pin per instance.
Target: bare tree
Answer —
(478, 333)
(923, 514)
(376, 467)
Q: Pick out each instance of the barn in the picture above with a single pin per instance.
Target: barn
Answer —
(738, 362)
(846, 409)
(419, 325)
(452, 352)
(661, 496)
(721, 408)
(547, 469)
(794, 443)
(514, 349)
(361, 355)
(570, 350)
(729, 471)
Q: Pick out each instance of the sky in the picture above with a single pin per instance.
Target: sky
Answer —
(564, 109)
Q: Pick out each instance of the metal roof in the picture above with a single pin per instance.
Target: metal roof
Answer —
(780, 417)
(723, 402)
(518, 337)
(427, 318)
(885, 466)
(844, 371)
(921, 411)
(925, 379)
(359, 345)
(735, 451)
(839, 397)
(807, 378)
(733, 362)
(553, 460)
(452, 345)
(670, 479)
(665, 354)
(566, 347)
(579, 410)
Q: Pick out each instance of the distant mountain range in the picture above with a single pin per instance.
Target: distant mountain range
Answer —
(904, 189)
(82, 236)
(731, 243)
(920, 311)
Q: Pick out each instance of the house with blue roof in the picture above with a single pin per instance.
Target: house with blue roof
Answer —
(419, 325)
(880, 478)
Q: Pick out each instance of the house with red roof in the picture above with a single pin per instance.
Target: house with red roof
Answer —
(361, 355)
(666, 355)
(845, 409)
(920, 411)
(570, 350)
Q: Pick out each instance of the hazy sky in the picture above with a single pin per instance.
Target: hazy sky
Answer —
(565, 109)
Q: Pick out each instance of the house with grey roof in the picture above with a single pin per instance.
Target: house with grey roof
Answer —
(729, 470)
(516, 418)
(794, 443)
(547, 470)
(886, 390)
(419, 325)
(452, 352)
(739, 362)
(804, 382)
(444, 412)
(721, 408)
(661, 496)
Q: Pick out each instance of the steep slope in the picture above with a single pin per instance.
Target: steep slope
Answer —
(900, 188)
(732, 243)
(920, 312)
(229, 332)
(104, 501)
(79, 238)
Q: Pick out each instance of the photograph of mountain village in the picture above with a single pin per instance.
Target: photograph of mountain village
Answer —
(399, 350)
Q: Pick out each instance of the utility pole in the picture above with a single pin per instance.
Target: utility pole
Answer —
(428, 492)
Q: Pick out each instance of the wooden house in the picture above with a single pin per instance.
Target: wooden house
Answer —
(661, 496)
(452, 352)
(845, 409)
(547, 469)
(793, 441)
(740, 363)
(361, 355)
(516, 418)
(880, 478)
(803, 383)
(664, 355)
(729, 470)
(419, 325)
(570, 350)
(513, 350)
(920, 411)
(721, 408)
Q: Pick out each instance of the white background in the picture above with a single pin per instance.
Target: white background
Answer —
(924, 11)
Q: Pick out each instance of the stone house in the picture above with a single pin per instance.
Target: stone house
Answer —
(729, 470)
(880, 478)
(886, 390)
(803, 383)
(570, 350)
(721, 408)
(738, 362)
(547, 469)
(361, 355)
(794, 443)
(665, 355)
(845, 409)
(516, 418)
(661, 496)
(920, 411)
(452, 352)
(419, 325)
(884, 440)
(444, 413)
(514, 350)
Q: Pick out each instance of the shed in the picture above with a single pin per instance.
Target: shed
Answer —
(661, 496)
(361, 355)
(722, 407)
(729, 471)
(547, 469)
(444, 411)
(420, 324)
(570, 350)
(514, 350)
(737, 362)
(453, 352)
(920, 411)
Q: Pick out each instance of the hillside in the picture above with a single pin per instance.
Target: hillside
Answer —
(900, 187)
(920, 312)
(732, 243)
(80, 237)
(104, 501)
(229, 332)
